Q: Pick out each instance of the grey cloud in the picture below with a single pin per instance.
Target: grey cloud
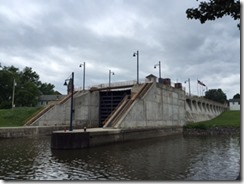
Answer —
(59, 35)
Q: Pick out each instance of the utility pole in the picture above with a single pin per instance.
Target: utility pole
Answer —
(13, 105)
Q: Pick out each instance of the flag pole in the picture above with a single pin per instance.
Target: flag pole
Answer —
(189, 83)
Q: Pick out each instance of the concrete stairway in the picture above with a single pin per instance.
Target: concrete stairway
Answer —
(124, 106)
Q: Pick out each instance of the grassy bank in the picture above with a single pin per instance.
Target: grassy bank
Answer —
(16, 117)
(228, 119)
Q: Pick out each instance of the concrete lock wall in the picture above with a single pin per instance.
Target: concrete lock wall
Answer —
(161, 106)
(87, 109)
(201, 109)
(30, 131)
(86, 106)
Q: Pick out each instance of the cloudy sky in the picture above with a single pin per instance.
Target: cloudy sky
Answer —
(54, 37)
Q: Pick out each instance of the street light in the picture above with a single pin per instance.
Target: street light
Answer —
(159, 67)
(134, 55)
(71, 84)
(109, 77)
(189, 85)
(84, 70)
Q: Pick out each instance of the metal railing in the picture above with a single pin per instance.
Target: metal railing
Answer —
(127, 83)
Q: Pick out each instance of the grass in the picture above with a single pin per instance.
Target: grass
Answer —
(228, 119)
(16, 117)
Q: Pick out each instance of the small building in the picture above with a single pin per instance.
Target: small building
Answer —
(49, 99)
(151, 78)
(234, 104)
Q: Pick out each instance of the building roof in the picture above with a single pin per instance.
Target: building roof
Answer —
(234, 100)
(151, 76)
(51, 97)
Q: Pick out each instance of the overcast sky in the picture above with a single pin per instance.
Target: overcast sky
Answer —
(54, 37)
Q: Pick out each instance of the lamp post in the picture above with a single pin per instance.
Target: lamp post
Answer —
(109, 77)
(84, 75)
(136, 54)
(189, 85)
(71, 84)
(159, 68)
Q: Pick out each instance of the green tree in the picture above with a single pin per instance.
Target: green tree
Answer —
(28, 87)
(27, 75)
(237, 96)
(27, 95)
(216, 95)
(27, 91)
(8, 78)
(215, 9)
(47, 89)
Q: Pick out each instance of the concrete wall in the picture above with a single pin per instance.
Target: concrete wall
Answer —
(30, 131)
(86, 106)
(97, 138)
(201, 109)
(161, 106)
(79, 140)
(87, 109)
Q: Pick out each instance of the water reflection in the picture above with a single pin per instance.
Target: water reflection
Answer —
(165, 158)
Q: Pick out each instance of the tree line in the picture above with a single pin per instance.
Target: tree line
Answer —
(22, 86)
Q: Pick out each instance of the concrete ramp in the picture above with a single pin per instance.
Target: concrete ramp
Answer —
(38, 115)
(123, 107)
(46, 109)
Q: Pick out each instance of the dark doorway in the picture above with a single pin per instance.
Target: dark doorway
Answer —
(109, 101)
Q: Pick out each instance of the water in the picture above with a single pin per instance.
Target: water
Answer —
(166, 158)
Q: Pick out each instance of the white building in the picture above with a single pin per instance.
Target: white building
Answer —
(235, 104)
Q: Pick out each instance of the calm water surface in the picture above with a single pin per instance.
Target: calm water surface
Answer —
(165, 158)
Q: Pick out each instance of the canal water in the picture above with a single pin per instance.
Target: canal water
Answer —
(166, 158)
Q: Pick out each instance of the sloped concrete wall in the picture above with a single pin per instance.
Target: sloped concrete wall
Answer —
(57, 115)
(161, 106)
(86, 106)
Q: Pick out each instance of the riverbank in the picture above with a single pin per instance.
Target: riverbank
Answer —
(211, 131)
(226, 124)
(17, 117)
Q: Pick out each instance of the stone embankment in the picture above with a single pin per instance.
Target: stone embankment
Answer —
(211, 131)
